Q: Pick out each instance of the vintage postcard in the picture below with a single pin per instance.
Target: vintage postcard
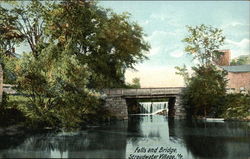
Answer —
(125, 79)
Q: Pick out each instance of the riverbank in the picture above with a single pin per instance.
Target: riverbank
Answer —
(247, 119)
(21, 128)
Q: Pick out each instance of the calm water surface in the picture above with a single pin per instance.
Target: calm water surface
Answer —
(135, 137)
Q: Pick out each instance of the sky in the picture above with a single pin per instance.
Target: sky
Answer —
(164, 23)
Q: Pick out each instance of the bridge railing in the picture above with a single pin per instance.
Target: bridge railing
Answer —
(143, 91)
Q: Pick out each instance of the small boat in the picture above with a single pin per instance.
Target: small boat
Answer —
(215, 119)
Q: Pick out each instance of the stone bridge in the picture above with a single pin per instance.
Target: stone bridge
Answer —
(117, 99)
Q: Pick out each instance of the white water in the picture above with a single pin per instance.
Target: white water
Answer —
(149, 108)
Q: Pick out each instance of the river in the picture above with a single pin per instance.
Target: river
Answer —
(141, 136)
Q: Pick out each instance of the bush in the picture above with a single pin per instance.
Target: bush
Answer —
(56, 89)
(205, 91)
(237, 106)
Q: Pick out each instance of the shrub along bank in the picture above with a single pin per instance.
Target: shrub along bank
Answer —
(236, 107)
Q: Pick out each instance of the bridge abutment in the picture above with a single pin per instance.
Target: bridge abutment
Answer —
(180, 111)
(117, 107)
(171, 107)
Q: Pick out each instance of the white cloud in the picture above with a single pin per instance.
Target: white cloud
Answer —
(159, 35)
(157, 41)
(243, 44)
(162, 41)
(238, 48)
(176, 53)
(233, 24)
(169, 17)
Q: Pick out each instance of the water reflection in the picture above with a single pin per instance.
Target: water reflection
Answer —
(193, 139)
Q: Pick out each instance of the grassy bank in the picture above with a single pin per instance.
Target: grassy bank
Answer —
(19, 110)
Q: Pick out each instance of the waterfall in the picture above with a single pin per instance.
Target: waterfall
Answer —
(152, 107)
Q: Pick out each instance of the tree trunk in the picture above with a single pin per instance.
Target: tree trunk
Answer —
(205, 112)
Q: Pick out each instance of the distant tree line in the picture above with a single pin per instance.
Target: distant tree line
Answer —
(241, 60)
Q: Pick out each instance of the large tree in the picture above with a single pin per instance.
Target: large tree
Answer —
(108, 42)
(76, 48)
(206, 87)
(30, 24)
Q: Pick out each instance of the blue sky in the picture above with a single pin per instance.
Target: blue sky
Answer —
(164, 23)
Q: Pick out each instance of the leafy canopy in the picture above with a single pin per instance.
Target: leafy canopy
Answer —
(203, 42)
(108, 42)
(76, 48)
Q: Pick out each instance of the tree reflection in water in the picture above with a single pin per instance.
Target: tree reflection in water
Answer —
(213, 140)
(193, 139)
(91, 143)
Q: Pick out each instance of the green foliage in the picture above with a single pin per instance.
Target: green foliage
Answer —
(29, 24)
(183, 71)
(206, 87)
(100, 38)
(203, 42)
(76, 47)
(135, 83)
(56, 88)
(9, 66)
(241, 60)
(204, 93)
(237, 106)
(3, 104)
(109, 43)
(9, 35)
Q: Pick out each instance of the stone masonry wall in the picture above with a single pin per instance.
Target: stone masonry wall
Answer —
(180, 111)
(117, 107)
(238, 80)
